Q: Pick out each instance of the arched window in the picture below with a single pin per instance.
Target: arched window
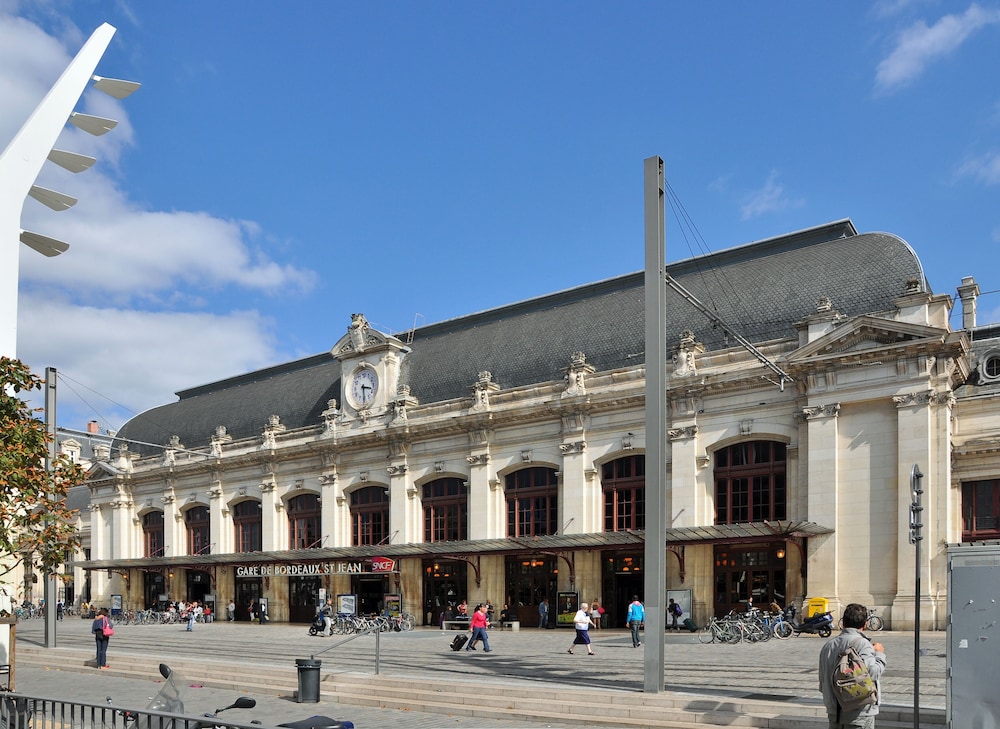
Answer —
(624, 484)
(750, 482)
(532, 502)
(446, 510)
(247, 526)
(304, 518)
(152, 533)
(199, 530)
(369, 516)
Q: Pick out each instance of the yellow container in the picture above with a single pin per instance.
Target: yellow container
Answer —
(817, 605)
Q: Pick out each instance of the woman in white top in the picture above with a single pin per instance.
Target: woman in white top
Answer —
(582, 623)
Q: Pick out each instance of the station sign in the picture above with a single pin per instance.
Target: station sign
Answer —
(376, 565)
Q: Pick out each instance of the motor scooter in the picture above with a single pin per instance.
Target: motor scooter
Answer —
(820, 624)
(318, 626)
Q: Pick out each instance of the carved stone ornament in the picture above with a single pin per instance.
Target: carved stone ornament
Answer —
(576, 375)
(396, 470)
(913, 398)
(479, 459)
(358, 331)
(821, 411)
(578, 447)
(481, 391)
(330, 416)
(685, 433)
(684, 355)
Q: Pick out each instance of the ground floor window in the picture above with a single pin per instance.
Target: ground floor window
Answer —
(303, 598)
(154, 592)
(445, 585)
(248, 593)
(750, 574)
(529, 580)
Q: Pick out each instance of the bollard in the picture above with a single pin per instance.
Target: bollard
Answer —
(308, 680)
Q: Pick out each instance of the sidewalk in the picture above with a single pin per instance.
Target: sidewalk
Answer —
(532, 659)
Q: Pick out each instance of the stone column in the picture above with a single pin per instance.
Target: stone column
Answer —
(272, 511)
(823, 483)
(170, 518)
(915, 437)
(684, 508)
(486, 513)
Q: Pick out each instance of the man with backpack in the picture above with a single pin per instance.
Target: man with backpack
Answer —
(674, 612)
(850, 667)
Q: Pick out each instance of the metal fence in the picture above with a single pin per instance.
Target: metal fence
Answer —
(20, 711)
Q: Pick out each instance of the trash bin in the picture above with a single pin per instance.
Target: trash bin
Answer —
(308, 680)
(817, 605)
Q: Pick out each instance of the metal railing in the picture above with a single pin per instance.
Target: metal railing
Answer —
(20, 711)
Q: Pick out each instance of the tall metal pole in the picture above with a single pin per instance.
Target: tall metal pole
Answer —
(655, 555)
(49, 577)
(916, 526)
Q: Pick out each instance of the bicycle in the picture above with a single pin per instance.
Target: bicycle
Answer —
(873, 623)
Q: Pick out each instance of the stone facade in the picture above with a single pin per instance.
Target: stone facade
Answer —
(873, 392)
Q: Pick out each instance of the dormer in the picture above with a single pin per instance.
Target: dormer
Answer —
(370, 362)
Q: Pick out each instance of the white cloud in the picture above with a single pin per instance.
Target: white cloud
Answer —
(768, 199)
(919, 45)
(131, 309)
(985, 169)
(138, 359)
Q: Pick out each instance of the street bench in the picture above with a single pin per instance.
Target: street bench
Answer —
(455, 624)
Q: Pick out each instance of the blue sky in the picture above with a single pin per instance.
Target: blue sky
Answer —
(287, 164)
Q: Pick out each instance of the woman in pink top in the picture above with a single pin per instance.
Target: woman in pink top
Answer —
(479, 624)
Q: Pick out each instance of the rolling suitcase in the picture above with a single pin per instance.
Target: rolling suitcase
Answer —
(459, 642)
(689, 624)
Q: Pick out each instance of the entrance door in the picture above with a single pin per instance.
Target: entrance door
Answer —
(529, 581)
(748, 574)
(199, 584)
(248, 590)
(371, 594)
(444, 587)
(303, 594)
(152, 588)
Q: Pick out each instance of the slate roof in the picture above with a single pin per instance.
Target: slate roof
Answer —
(761, 289)
(985, 340)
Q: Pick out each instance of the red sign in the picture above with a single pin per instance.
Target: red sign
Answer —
(383, 564)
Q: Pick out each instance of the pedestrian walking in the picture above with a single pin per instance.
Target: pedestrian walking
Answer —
(103, 630)
(634, 619)
(582, 622)
(674, 612)
(543, 613)
(479, 623)
(873, 656)
(192, 615)
(60, 609)
(231, 611)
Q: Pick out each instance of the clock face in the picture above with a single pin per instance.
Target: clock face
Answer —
(364, 385)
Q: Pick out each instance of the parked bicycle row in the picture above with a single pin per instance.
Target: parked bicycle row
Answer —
(346, 624)
(756, 625)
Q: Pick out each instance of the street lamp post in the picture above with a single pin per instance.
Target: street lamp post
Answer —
(23, 158)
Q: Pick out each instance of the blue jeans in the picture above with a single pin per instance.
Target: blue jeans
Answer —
(634, 625)
(190, 621)
(479, 634)
(102, 650)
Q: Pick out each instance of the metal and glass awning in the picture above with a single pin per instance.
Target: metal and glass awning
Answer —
(750, 533)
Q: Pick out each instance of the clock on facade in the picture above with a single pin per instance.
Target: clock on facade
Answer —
(363, 386)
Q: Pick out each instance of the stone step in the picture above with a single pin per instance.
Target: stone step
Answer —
(493, 698)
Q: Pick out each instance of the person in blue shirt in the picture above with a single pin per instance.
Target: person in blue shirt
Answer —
(634, 619)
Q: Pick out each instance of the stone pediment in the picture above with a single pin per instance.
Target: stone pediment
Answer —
(866, 334)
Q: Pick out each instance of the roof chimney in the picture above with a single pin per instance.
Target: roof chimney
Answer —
(968, 291)
(93, 428)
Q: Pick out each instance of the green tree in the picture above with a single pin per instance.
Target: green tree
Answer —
(35, 524)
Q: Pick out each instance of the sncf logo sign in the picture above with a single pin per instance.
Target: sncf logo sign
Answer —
(383, 564)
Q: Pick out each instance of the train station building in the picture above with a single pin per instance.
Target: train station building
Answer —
(500, 455)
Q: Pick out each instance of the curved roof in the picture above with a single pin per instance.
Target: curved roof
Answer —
(761, 289)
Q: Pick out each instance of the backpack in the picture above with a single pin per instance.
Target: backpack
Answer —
(853, 685)
(677, 609)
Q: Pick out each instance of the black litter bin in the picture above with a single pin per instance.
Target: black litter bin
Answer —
(308, 680)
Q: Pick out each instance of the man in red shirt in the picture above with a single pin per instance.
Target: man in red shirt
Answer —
(479, 624)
